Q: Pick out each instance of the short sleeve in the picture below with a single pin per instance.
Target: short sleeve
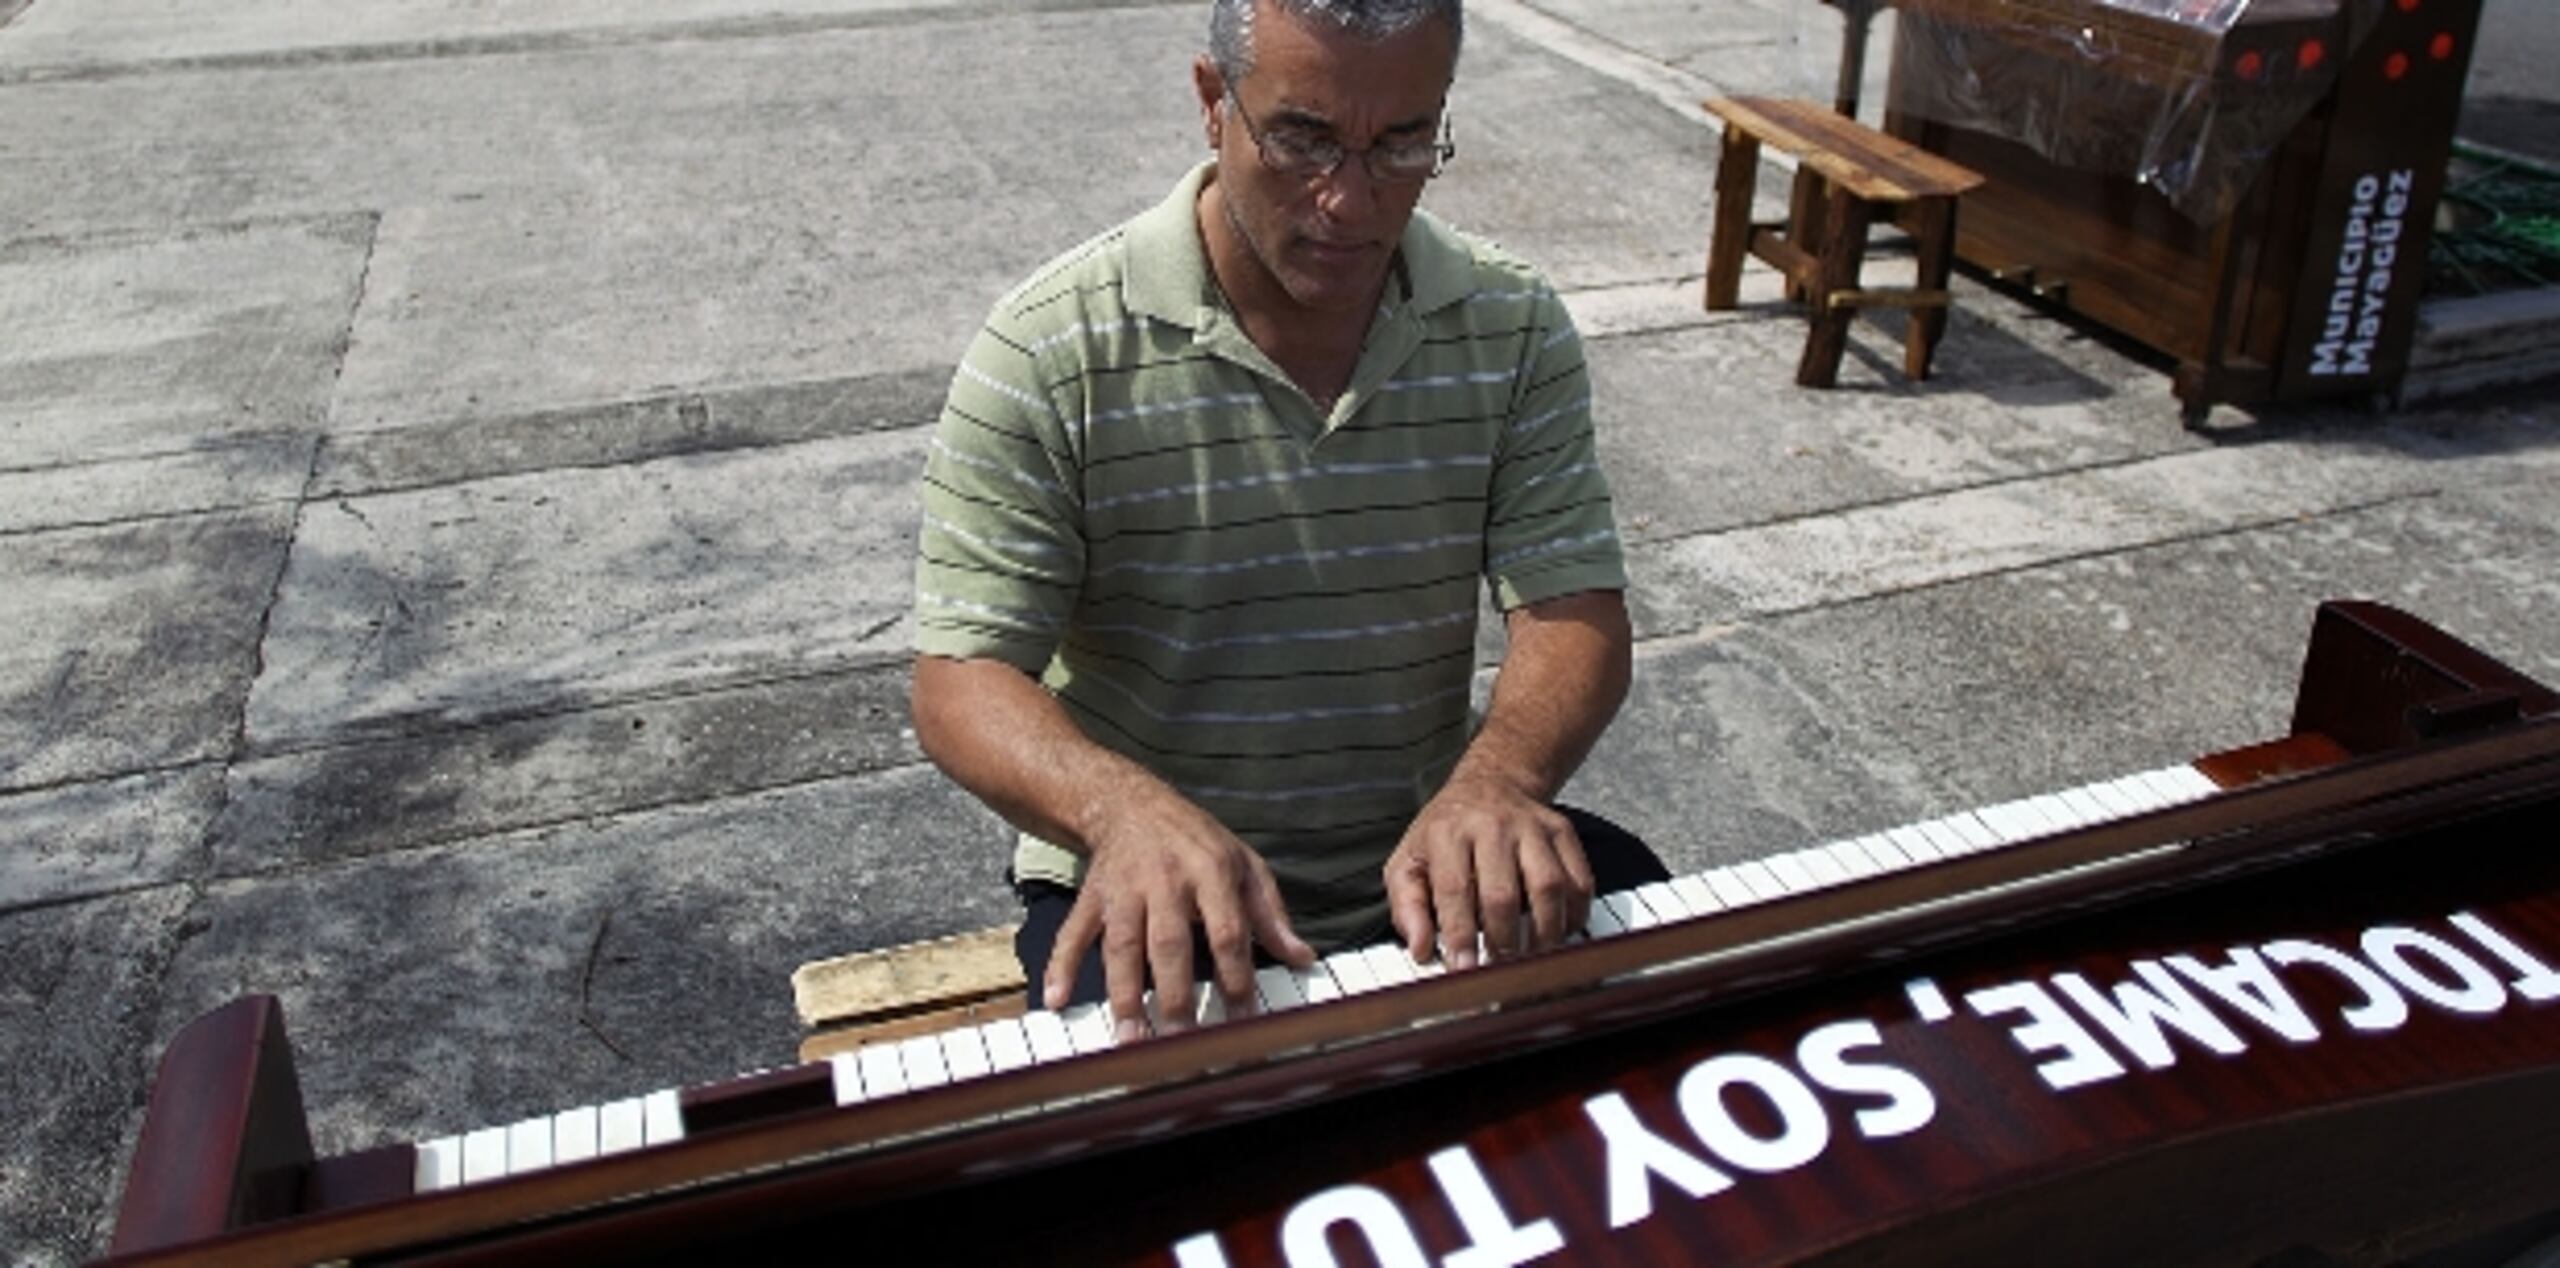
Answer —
(1550, 529)
(1000, 552)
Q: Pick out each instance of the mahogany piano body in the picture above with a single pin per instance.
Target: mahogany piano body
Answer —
(2311, 1018)
(2307, 283)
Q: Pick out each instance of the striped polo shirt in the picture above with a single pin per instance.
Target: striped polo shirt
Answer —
(1271, 607)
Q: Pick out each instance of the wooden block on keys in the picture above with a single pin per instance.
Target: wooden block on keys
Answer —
(916, 988)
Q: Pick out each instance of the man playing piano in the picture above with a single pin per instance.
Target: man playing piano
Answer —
(1204, 518)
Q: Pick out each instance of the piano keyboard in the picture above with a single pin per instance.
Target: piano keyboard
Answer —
(895, 1067)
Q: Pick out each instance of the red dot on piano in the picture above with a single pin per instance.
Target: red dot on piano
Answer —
(2408, 6)
(2249, 64)
(2441, 47)
(2395, 66)
(2312, 53)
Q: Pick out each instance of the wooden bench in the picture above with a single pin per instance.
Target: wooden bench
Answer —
(915, 989)
(1848, 177)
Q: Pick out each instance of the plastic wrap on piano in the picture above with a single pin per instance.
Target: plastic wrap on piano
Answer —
(2186, 97)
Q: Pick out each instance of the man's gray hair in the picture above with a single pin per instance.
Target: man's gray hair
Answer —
(1231, 24)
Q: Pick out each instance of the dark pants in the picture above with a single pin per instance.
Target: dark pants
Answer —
(1619, 861)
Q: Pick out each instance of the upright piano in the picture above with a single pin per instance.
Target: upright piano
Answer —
(2246, 186)
(2295, 1002)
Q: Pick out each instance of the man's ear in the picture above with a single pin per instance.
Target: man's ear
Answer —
(1211, 88)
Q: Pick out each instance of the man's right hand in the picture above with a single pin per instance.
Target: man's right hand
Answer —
(1156, 865)
(1158, 868)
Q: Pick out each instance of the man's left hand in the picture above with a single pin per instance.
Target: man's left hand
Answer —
(1485, 858)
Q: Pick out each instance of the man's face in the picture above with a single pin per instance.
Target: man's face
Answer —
(1325, 240)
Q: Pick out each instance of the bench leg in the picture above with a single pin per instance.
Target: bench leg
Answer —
(1804, 220)
(1844, 248)
(1933, 224)
(1737, 173)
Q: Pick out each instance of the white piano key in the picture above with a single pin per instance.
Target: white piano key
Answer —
(1632, 915)
(1607, 919)
(1008, 1047)
(2162, 787)
(621, 1126)
(484, 1155)
(2085, 805)
(573, 1134)
(884, 1071)
(1278, 988)
(1791, 872)
(1755, 877)
(1852, 860)
(1943, 834)
(439, 1164)
(1091, 1028)
(2137, 792)
(2122, 795)
(2012, 821)
(2058, 814)
(2018, 820)
(661, 1118)
(529, 1145)
(2185, 783)
(1915, 844)
(1351, 972)
(1728, 888)
(1977, 834)
(1208, 1004)
(844, 1070)
(1888, 857)
(2110, 796)
(963, 1055)
(1389, 964)
(1047, 1032)
(922, 1057)
(1665, 901)
(1316, 986)
(1818, 864)
(1694, 890)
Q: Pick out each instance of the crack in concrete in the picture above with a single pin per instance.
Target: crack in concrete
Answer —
(62, 677)
(239, 742)
(586, 991)
(143, 517)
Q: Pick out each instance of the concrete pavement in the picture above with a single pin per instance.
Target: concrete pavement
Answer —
(455, 506)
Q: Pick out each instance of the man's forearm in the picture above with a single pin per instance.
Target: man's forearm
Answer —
(1565, 674)
(1003, 737)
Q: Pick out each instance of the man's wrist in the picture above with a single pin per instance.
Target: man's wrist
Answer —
(1491, 779)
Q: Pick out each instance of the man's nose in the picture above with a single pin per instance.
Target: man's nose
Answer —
(1348, 193)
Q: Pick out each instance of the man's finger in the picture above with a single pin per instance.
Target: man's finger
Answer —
(1409, 906)
(1223, 925)
(1577, 870)
(1550, 890)
(1269, 918)
(1169, 963)
(1124, 968)
(1453, 902)
(1075, 933)
(1498, 894)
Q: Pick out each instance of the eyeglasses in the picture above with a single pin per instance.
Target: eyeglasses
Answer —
(1309, 155)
